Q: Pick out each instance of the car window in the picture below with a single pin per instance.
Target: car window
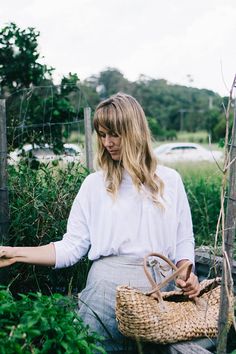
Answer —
(175, 150)
(184, 148)
(42, 152)
(70, 152)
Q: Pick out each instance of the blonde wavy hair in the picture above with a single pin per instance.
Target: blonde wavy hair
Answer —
(123, 115)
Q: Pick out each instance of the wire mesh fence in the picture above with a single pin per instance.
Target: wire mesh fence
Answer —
(45, 146)
(45, 115)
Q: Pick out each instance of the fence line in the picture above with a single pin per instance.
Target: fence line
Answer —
(4, 203)
(24, 117)
(45, 124)
(19, 108)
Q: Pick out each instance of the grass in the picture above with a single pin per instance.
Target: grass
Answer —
(196, 137)
(203, 183)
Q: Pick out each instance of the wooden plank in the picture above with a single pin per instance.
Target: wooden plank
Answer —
(205, 260)
(197, 346)
(188, 347)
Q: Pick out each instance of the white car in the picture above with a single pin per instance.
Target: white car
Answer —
(71, 153)
(186, 152)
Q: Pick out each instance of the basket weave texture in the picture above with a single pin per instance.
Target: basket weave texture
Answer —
(171, 318)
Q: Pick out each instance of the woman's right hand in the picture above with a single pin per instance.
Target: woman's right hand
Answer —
(7, 256)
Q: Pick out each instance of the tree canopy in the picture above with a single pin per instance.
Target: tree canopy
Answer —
(167, 106)
(19, 58)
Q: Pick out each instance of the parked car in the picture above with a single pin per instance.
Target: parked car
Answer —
(45, 153)
(186, 152)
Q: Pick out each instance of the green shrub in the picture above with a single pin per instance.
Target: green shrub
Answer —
(37, 323)
(40, 202)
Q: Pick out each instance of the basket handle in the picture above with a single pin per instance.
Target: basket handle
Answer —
(156, 287)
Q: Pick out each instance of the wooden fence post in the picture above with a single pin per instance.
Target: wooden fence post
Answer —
(229, 238)
(88, 138)
(4, 207)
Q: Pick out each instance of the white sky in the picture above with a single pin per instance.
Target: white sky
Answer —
(167, 39)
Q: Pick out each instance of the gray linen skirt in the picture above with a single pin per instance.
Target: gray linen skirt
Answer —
(97, 300)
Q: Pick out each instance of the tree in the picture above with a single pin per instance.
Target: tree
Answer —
(168, 106)
(36, 108)
(19, 59)
(111, 81)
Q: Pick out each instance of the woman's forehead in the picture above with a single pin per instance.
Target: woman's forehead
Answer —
(104, 129)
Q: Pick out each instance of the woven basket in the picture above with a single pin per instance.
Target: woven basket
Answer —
(168, 317)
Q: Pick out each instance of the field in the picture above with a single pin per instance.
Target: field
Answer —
(202, 182)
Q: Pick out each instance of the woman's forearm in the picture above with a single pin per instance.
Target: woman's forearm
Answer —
(40, 255)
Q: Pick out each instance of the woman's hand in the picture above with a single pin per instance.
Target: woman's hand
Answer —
(187, 281)
(190, 286)
(7, 256)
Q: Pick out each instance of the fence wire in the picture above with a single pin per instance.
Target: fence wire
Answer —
(47, 116)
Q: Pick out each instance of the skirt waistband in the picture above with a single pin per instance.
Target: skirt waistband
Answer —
(127, 260)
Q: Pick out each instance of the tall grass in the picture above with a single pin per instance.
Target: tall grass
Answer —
(202, 181)
(194, 137)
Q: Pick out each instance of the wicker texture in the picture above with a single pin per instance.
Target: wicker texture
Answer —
(168, 317)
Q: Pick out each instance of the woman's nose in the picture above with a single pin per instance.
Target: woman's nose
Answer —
(108, 141)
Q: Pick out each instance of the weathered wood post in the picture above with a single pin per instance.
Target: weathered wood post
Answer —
(88, 138)
(229, 237)
(4, 207)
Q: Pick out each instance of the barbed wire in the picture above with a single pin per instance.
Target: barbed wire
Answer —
(45, 124)
(53, 86)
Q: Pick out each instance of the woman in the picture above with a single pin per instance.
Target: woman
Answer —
(129, 208)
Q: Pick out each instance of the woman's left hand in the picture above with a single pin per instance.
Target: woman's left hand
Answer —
(190, 286)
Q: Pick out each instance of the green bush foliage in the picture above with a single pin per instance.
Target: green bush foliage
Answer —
(40, 202)
(37, 323)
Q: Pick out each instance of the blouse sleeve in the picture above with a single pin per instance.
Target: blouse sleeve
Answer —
(185, 238)
(76, 240)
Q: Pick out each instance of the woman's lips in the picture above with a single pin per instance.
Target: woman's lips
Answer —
(113, 151)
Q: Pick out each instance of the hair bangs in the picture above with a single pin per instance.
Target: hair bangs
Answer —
(108, 118)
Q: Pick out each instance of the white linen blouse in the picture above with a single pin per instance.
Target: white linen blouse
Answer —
(130, 225)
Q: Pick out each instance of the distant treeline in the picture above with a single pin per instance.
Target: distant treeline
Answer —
(168, 107)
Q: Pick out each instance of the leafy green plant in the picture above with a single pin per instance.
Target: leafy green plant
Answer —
(37, 323)
(40, 202)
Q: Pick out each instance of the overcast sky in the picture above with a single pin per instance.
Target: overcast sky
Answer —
(170, 39)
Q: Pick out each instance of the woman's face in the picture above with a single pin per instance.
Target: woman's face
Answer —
(111, 141)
